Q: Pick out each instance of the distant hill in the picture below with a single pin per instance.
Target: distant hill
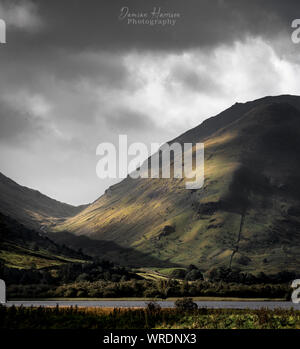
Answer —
(247, 215)
(30, 207)
(25, 248)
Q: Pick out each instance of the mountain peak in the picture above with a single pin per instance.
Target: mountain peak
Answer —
(251, 152)
(246, 215)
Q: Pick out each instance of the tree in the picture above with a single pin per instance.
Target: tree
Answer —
(194, 274)
(178, 274)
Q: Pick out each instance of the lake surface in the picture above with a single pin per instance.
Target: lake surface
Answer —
(163, 304)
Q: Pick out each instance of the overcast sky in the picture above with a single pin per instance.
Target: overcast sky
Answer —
(73, 75)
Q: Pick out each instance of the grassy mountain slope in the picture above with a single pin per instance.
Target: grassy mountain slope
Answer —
(24, 248)
(248, 212)
(30, 207)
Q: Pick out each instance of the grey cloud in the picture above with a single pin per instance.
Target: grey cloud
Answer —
(17, 125)
(71, 81)
(94, 24)
(20, 15)
(100, 67)
(124, 120)
(76, 60)
(189, 77)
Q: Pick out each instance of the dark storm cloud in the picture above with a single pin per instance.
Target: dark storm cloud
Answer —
(100, 67)
(17, 125)
(188, 76)
(72, 74)
(94, 24)
(125, 120)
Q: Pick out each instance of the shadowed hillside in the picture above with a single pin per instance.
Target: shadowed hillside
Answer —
(29, 206)
(24, 248)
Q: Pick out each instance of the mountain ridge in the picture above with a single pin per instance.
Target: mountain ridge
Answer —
(31, 207)
(247, 215)
(136, 213)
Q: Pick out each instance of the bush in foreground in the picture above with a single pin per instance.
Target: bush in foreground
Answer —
(185, 304)
(101, 318)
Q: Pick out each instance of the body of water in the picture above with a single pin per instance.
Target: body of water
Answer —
(163, 304)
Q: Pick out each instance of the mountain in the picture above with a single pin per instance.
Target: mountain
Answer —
(246, 215)
(28, 215)
(30, 207)
(21, 247)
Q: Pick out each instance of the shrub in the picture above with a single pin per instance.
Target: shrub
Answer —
(82, 277)
(185, 304)
(178, 274)
(153, 307)
(193, 275)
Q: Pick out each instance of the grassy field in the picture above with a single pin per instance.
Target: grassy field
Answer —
(15, 256)
(154, 274)
(108, 318)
